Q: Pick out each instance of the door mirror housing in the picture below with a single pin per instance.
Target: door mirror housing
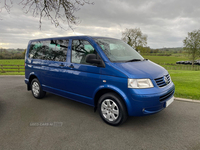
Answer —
(92, 58)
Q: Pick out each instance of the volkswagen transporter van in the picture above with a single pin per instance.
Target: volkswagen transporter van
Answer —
(105, 73)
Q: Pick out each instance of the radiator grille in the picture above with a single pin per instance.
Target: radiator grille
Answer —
(163, 81)
(166, 96)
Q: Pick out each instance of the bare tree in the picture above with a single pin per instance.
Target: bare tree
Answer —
(54, 10)
(134, 37)
(192, 45)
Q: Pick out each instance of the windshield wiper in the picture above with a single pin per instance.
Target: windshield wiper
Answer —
(134, 60)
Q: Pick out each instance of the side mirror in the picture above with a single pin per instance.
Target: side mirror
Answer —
(92, 58)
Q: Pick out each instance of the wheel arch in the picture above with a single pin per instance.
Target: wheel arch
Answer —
(31, 77)
(108, 89)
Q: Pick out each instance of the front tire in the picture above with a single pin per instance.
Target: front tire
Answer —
(36, 89)
(112, 109)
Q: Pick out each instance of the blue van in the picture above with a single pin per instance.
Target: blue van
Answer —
(102, 72)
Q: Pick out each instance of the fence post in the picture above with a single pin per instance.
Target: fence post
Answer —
(1, 68)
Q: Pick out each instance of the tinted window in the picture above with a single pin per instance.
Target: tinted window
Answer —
(55, 50)
(80, 48)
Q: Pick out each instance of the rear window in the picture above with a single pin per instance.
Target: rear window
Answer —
(54, 50)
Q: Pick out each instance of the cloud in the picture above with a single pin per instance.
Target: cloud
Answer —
(165, 22)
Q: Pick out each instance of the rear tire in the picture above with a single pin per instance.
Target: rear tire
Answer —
(36, 89)
(112, 109)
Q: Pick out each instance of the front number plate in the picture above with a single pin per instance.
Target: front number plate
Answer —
(169, 101)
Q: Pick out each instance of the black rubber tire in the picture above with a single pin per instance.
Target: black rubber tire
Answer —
(123, 115)
(41, 93)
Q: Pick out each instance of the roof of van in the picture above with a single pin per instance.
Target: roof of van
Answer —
(84, 36)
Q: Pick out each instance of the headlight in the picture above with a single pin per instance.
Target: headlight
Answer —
(140, 83)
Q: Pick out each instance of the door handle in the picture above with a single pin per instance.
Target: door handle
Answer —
(61, 65)
(71, 66)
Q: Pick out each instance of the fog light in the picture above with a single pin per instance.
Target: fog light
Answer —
(143, 109)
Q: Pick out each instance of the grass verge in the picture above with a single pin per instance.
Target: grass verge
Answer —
(186, 83)
(13, 73)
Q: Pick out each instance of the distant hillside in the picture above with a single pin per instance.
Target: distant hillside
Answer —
(168, 50)
(12, 49)
(12, 53)
(173, 48)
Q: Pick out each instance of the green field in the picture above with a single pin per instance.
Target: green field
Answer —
(165, 59)
(186, 82)
(12, 61)
(169, 62)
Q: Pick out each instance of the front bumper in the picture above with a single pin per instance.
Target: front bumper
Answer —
(146, 104)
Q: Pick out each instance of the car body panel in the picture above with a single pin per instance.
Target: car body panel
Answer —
(81, 82)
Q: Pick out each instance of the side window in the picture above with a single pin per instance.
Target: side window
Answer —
(37, 50)
(80, 48)
(55, 50)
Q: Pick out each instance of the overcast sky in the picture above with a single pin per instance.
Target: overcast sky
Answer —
(165, 22)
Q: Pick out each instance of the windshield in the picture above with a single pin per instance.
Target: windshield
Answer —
(118, 51)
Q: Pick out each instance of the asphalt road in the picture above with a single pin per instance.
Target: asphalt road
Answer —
(58, 123)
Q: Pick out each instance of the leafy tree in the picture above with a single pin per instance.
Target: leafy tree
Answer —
(24, 53)
(192, 45)
(54, 10)
(144, 50)
(135, 38)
